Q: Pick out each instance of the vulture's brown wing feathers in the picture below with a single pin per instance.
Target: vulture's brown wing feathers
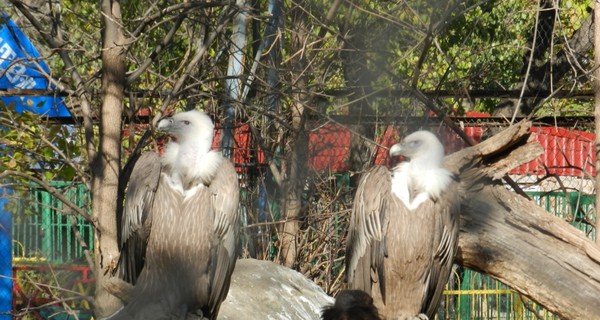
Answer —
(137, 219)
(368, 226)
(225, 197)
(443, 258)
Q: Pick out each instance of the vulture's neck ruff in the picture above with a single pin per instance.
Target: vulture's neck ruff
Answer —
(189, 161)
(422, 178)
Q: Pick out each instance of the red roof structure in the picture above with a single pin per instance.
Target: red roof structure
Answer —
(567, 152)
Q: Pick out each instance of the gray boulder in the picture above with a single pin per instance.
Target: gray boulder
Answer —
(266, 290)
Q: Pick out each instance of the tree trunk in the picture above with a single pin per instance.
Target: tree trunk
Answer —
(233, 83)
(296, 171)
(515, 241)
(106, 165)
(293, 188)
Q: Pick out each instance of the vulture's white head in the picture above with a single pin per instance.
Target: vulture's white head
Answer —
(189, 156)
(421, 147)
(188, 126)
(423, 173)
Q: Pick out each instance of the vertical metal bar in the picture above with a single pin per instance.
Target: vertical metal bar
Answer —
(67, 229)
(46, 226)
(6, 282)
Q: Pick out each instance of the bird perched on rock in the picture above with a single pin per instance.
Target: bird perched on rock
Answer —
(404, 230)
(180, 225)
(351, 305)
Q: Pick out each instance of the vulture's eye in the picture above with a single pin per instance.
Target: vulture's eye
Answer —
(187, 123)
(414, 144)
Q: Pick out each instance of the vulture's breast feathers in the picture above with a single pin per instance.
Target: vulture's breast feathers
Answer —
(415, 186)
(188, 160)
(423, 177)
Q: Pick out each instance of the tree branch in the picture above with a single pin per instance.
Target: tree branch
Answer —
(56, 42)
(51, 190)
(228, 14)
(134, 75)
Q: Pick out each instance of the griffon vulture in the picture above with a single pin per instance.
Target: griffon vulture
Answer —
(403, 230)
(180, 225)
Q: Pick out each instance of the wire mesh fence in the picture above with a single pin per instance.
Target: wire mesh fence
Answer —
(47, 251)
(49, 275)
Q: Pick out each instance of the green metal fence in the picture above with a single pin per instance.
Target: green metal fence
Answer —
(44, 228)
(574, 207)
(473, 296)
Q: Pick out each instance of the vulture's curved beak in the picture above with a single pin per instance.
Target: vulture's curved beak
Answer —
(396, 150)
(165, 124)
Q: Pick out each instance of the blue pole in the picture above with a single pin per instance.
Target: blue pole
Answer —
(6, 282)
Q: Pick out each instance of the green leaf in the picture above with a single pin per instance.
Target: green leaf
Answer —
(48, 175)
(67, 173)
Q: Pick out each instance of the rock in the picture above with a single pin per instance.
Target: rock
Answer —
(266, 290)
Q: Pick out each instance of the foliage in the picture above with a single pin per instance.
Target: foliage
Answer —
(363, 61)
(45, 150)
(473, 45)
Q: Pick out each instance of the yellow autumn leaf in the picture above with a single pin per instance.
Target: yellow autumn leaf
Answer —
(12, 163)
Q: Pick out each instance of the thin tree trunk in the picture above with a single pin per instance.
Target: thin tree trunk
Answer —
(106, 166)
(296, 175)
(293, 188)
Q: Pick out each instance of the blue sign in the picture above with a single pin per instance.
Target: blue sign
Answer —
(21, 67)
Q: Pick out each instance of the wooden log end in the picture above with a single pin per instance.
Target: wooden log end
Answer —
(119, 288)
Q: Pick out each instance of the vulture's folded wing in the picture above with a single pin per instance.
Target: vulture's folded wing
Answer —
(225, 198)
(443, 259)
(366, 246)
(137, 220)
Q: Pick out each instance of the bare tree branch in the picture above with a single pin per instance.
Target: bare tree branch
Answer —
(57, 44)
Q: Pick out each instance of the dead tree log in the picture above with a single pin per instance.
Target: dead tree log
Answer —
(510, 238)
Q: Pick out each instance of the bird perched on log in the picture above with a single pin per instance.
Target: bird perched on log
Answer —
(404, 230)
(180, 225)
(351, 305)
